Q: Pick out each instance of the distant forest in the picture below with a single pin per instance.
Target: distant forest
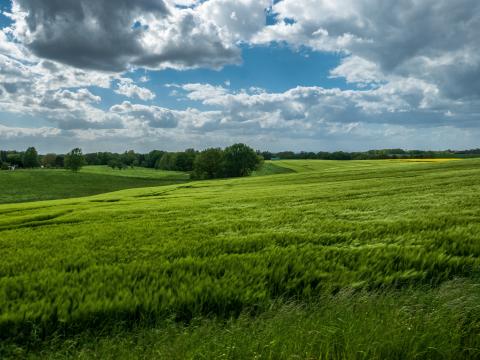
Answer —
(184, 160)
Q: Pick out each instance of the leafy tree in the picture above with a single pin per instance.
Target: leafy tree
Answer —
(104, 158)
(30, 158)
(267, 155)
(49, 160)
(74, 160)
(60, 161)
(209, 164)
(184, 160)
(152, 158)
(117, 164)
(240, 160)
(15, 159)
(92, 159)
(129, 158)
(3, 155)
(166, 162)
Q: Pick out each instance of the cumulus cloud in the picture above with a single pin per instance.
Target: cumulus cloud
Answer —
(117, 35)
(405, 101)
(410, 66)
(128, 88)
(360, 71)
(155, 116)
(434, 41)
(7, 132)
(86, 34)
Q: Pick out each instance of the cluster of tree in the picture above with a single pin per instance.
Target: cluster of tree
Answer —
(216, 162)
(369, 155)
(156, 159)
(29, 159)
(114, 160)
(233, 161)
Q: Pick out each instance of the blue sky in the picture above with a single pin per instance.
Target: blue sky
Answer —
(293, 74)
(274, 68)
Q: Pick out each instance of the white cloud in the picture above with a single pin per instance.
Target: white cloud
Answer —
(435, 41)
(7, 132)
(411, 65)
(154, 116)
(155, 34)
(128, 88)
(359, 71)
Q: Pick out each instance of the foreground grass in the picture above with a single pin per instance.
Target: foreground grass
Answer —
(138, 257)
(424, 323)
(48, 184)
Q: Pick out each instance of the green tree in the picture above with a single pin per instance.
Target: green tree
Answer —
(3, 155)
(49, 160)
(129, 158)
(30, 158)
(74, 160)
(166, 162)
(15, 159)
(152, 158)
(184, 160)
(209, 164)
(59, 161)
(240, 160)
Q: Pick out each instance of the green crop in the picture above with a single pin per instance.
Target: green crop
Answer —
(139, 256)
(47, 184)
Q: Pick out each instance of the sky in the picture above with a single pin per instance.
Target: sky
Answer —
(313, 75)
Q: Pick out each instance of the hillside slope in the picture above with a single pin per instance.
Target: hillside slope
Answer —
(220, 247)
(48, 184)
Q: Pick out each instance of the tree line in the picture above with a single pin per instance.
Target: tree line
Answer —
(235, 160)
(370, 155)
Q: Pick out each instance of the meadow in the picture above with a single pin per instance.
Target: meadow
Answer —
(324, 259)
(48, 184)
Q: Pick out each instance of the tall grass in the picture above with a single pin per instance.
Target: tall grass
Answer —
(424, 323)
(218, 249)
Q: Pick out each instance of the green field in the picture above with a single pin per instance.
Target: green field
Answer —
(48, 184)
(354, 259)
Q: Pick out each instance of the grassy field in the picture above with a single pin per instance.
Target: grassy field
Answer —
(137, 172)
(354, 259)
(48, 184)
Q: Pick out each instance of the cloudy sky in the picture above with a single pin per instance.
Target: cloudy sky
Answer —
(282, 75)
